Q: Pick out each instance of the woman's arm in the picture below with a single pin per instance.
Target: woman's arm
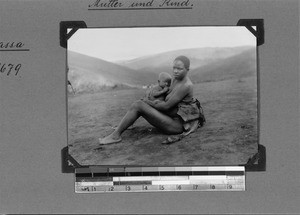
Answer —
(177, 97)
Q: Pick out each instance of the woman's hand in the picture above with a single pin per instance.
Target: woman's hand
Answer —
(147, 101)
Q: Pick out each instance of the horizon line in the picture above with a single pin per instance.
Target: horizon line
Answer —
(145, 56)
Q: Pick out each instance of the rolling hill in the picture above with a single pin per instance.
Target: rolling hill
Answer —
(89, 74)
(235, 67)
(198, 57)
(92, 74)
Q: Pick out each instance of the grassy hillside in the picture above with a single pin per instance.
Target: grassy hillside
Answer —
(229, 136)
(235, 67)
(89, 74)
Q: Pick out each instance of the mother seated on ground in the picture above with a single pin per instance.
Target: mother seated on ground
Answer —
(178, 114)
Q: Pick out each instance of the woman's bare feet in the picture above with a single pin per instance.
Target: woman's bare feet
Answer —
(112, 138)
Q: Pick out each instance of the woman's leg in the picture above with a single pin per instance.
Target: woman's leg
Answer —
(153, 116)
(158, 119)
(130, 117)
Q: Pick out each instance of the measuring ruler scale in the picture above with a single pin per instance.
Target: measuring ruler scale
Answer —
(145, 179)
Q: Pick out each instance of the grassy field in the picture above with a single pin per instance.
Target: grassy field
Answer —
(229, 136)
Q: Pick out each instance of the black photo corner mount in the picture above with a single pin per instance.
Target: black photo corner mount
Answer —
(69, 164)
(258, 161)
(255, 163)
(63, 30)
(259, 32)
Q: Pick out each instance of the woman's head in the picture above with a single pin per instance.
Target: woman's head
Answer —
(181, 66)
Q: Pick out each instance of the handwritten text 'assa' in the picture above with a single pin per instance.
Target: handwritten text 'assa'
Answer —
(7, 45)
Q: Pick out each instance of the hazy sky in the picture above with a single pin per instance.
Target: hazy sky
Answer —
(114, 44)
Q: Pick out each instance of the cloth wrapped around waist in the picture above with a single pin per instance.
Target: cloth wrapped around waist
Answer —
(188, 110)
(193, 117)
(192, 114)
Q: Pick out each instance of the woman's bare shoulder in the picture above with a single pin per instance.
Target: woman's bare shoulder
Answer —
(189, 88)
(188, 84)
(182, 87)
(185, 89)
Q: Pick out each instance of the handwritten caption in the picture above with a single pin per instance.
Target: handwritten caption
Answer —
(11, 45)
(150, 4)
(11, 69)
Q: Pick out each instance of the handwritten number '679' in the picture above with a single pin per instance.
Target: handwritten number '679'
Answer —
(9, 68)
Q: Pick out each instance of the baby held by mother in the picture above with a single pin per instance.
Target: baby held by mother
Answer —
(179, 113)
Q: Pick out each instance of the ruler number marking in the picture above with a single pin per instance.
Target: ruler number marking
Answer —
(85, 189)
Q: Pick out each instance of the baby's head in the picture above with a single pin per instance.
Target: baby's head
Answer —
(164, 79)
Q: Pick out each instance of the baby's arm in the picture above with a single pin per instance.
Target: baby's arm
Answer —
(179, 94)
(157, 93)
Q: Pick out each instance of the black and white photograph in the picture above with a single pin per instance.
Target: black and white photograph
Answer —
(162, 96)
